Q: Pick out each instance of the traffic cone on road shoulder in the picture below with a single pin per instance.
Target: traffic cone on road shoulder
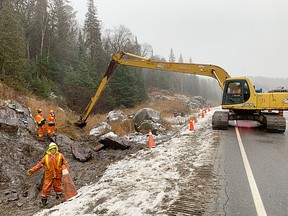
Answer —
(191, 127)
(70, 190)
(151, 143)
(203, 114)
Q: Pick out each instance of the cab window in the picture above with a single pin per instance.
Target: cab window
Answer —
(236, 92)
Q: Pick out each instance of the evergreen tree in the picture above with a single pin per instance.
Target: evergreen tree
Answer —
(93, 40)
(80, 80)
(174, 78)
(127, 89)
(172, 56)
(63, 31)
(180, 60)
(12, 48)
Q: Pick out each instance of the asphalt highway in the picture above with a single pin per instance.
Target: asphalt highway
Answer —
(252, 167)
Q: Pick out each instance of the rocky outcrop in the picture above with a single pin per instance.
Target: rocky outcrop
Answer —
(13, 116)
(20, 151)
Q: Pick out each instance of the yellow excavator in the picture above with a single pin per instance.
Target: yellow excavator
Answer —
(240, 99)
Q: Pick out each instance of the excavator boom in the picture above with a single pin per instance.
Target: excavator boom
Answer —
(199, 69)
(137, 61)
(240, 98)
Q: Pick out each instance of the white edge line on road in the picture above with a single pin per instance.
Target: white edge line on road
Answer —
(254, 189)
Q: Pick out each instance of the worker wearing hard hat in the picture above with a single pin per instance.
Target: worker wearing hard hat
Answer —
(52, 163)
(51, 129)
(41, 124)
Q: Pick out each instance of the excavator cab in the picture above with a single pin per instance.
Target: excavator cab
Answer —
(235, 92)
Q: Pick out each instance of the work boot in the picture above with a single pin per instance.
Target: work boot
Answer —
(44, 201)
(58, 196)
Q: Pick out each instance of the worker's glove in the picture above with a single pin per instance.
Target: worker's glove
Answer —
(29, 172)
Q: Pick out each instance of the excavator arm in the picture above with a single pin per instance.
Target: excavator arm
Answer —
(137, 61)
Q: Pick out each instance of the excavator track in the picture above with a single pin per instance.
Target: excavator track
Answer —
(275, 123)
(220, 120)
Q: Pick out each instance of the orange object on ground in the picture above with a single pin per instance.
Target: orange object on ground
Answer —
(195, 120)
(203, 114)
(191, 125)
(151, 143)
(205, 111)
(209, 109)
(70, 190)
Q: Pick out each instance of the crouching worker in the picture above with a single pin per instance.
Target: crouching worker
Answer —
(52, 163)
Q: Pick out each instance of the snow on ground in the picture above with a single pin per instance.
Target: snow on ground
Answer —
(144, 183)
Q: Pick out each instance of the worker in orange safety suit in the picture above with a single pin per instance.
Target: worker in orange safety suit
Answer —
(51, 129)
(52, 163)
(41, 124)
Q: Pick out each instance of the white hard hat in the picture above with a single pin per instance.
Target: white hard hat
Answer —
(52, 144)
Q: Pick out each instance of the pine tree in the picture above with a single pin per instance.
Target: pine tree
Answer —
(180, 60)
(12, 48)
(172, 56)
(127, 89)
(93, 40)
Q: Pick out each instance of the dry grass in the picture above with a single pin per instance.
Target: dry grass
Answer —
(122, 127)
(165, 107)
(65, 118)
(7, 92)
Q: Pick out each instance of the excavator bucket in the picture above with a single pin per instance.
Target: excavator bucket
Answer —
(80, 124)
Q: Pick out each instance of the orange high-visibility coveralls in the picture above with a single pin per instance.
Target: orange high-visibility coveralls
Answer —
(51, 129)
(52, 172)
(41, 125)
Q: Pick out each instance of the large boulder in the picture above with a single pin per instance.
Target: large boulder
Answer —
(115, 115)
(13, 116)
(147, 119)
(113, 142)
(100, 129)
(81, 151)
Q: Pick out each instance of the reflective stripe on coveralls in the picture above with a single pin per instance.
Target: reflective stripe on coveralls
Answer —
(58, 162)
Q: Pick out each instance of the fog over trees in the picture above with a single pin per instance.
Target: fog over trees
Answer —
(43, 50)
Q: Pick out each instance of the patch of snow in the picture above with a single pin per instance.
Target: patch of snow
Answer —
(144, 183)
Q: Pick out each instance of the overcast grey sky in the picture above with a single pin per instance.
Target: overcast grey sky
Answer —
(245, 37)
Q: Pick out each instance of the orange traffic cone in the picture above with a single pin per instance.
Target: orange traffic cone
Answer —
(203, 114)
(68, 184)
(195, 119)
(191, 125)
(151, 143)
(209, 109)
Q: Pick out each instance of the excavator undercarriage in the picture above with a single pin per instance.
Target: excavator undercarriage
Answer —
(272, 122)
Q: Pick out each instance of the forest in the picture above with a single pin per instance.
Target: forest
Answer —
(45, 51)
